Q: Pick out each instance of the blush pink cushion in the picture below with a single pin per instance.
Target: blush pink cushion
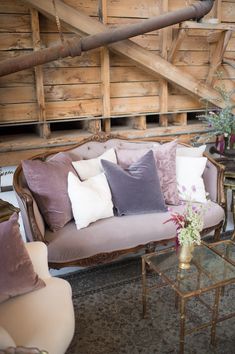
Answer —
(48, 183)
(17, 272)
(165, 157)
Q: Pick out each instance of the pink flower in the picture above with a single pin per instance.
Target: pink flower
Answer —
(189, 224)
(180, 221)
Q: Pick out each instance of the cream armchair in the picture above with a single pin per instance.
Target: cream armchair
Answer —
(43, 318)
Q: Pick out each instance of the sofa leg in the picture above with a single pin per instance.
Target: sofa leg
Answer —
(233, 236)
(217, 233)
(150, 248)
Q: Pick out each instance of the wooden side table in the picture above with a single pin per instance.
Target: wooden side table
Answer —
(6, 210)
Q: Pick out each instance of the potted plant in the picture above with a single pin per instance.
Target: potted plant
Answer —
(189, 224)
(221, 121)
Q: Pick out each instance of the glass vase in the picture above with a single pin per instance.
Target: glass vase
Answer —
(227, 142)
(222, 143)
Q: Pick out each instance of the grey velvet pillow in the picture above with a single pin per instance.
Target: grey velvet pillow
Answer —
(48, 182)
(16, 269)
(165, 157)
(135, 190)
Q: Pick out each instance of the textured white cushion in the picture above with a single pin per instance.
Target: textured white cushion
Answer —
(191, 151)
(92, 167)
(189, 172)
(91, 199)
(5, 339)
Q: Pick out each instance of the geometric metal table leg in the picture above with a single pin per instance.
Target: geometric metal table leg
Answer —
(233, 211)
(144, 290)
(182, 325)
(225, 209)
(215, 314)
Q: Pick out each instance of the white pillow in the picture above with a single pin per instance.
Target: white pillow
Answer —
(190, 184)
(191, 151)
(91, 200)
(92, 167)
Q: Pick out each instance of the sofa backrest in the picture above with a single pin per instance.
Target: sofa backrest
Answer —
(93, 149)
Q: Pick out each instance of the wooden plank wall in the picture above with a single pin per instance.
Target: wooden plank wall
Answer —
(101, 90)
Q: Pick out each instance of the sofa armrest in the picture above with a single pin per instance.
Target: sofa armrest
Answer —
(214, 180)
(5, 339)
(32, 219)
(38, 255)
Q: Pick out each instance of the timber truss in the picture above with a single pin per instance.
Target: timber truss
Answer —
(159, 66)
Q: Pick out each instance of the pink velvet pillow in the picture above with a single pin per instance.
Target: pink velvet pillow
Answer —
(165, 158)
(16, 269)
(48, 182)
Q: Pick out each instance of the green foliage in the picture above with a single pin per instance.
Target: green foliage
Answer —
(222, 120)
(189, 233)
(189, 223)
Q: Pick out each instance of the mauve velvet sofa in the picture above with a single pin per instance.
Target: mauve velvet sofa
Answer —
(109, 238)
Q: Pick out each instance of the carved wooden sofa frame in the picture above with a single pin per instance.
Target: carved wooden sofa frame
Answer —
(35, 227)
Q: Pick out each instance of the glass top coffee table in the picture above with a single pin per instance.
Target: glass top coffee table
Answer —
(209, 270)
(225, 249)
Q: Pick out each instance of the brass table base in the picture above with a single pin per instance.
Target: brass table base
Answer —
(183, 296)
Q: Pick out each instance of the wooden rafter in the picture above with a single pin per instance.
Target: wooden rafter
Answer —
(229, 61)
(176, 44)
(218, 9)
(207, 26)
(217, 55)
(163, 119)
(43, 128)
(105, 72)
(150, 62)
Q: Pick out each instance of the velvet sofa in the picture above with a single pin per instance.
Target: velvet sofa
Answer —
(108, 238)
(43, 318)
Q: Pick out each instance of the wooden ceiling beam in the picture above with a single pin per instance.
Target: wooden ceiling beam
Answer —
(43, 128)
(152, 63)
(217, 55)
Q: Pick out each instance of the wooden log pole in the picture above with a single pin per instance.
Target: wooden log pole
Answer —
(42, 128)
(105, 72)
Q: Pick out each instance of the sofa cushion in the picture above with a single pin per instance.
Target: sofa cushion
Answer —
(23, 350)
(136, 189)
(91, 199)
(17, 272)
(43, 319)
(189, 171)
(92, 167)
(115, 233)
(165, 157)
(5, 339)
(48, 183)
